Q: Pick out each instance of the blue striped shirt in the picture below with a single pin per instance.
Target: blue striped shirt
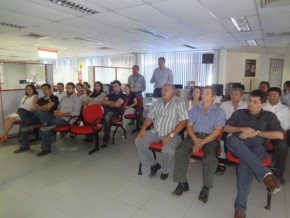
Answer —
(206, 122)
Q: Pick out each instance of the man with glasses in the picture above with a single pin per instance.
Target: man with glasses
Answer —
(161, 76)
(169, 117)
(281, 146)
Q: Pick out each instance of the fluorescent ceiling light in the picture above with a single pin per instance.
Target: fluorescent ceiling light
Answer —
(47, 53)
(74, 6)
(241, 24)
(189, 46)
(151, 33)
(252, 43)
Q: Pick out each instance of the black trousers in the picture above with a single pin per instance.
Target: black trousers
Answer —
(157, 93)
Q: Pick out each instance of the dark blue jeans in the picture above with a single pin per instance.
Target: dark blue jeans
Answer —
(107, 122)
(46, 135)
(251, 156)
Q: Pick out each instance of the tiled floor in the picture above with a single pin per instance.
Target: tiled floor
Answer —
(69, 183)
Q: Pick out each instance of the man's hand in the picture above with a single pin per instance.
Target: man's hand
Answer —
(247, 132)
(141, 134)
(198, 144)
(166, 139)
(57, 113)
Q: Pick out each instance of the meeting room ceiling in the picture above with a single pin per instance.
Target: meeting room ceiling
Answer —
(114, 27)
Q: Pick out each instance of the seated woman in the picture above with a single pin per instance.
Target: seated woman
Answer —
(195, 97)
(130, 102)
(97, 96)
(80, 92)
(27, 103)
(86, 88)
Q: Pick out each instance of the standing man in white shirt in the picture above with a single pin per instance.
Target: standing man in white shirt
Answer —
(161, 76)
(281, 146)
(137, 82)
(60, 91)
(230, 107)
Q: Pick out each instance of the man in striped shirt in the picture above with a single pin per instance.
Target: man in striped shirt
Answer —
(169, 115)
(205, 124)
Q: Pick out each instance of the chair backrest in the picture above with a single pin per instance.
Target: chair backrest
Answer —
(139, 108)
(93, 113)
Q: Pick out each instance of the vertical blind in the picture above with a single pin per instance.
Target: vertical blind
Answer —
(185, 66)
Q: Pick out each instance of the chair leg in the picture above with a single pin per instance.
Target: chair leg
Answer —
(96, 144)
(137, 125)
(124, 130)
(140, 169)
(113, 141)
(269, 199)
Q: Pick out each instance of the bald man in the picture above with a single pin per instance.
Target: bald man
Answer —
(169, 115)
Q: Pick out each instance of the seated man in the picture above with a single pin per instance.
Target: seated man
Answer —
(250, 128)
(169, 116)
(69, 106)
(113, 109)
(229, 107)
(43, 112)
(205, 124)
(281, 146)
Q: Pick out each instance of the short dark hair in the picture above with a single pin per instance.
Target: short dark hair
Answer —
(265, 82)
(274, 89)
(135, 66)
(46, 85)
(116, 82)
(35, 92)
(287, 83)
(87, 84)
(259, 93)
(60, 84)
(127, 85)
(71, 84)
(79, 84)
(213, 90)
(161, 59)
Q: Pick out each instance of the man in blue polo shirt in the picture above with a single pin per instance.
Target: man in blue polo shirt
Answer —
(205, 124)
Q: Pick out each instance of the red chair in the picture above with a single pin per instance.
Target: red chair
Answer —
(137, 115)
(267, 162)
(118, 122)
(92, 116)
(66, 129)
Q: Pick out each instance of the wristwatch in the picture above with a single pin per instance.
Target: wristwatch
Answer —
(171, 135)
(258, 132)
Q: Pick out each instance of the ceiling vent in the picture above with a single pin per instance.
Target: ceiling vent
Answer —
(151, 33)
(274, 3)
(277, 34)
(36, 36)
(88, 40)
(189, 46)
(105, 48)
(74, 6)
(14, 26)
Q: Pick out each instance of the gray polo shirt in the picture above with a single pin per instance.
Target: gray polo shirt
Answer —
(137, 83)
(70, 104)
(167, 116)
(161, 77)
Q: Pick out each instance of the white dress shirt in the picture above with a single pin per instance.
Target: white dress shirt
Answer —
(282, 112)
(229, 107)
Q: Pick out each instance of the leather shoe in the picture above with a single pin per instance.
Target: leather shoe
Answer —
(240, 214)
(42, 153)
(203, 195)
(164, 176)
(181, 187)
(105, 144)
(21, 150)
(272, 183)
(154, 169)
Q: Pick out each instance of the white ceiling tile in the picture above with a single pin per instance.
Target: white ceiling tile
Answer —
(113, 4)
(248, 35)
(147, 15)
(275, 21)
(230, 8)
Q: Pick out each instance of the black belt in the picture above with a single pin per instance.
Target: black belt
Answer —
(137, 92)
(200, 133)
(158, 88)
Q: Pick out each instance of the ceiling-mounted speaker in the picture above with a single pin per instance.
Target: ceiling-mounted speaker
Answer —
(207, 58)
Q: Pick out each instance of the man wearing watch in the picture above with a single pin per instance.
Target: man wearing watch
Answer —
(205, 124)
(250, 128)
(169, 116)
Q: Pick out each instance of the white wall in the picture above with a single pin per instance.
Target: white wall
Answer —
(286, 70)
(235, 67)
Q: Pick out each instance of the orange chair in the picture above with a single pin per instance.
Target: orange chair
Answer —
(137, 115)
(267, 162)
(92, 116)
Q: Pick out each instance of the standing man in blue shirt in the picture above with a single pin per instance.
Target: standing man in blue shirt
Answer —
(205, 124)
(161, 76)
(137, 82)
